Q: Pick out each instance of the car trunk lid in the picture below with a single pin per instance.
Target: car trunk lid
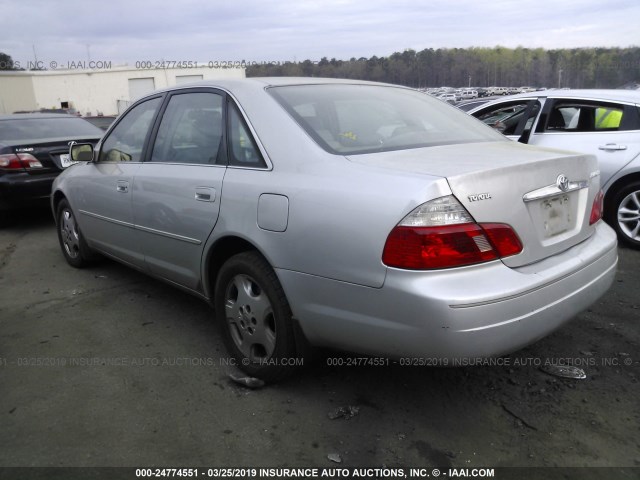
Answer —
(53, 154)
(545, 195)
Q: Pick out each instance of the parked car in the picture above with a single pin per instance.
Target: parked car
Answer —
(448, 97)
(467, 105)
(34, 149)
(497, 91)
(468, 94)
(66, 111)
(605, 123)
(482, 92)
(353, 215)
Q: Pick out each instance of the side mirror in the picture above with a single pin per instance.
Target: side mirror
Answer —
(81, 152)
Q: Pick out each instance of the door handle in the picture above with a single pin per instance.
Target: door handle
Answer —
(612, 147)
(205, 194)
(122, 186)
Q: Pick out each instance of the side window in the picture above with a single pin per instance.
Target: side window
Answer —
(243, 151)
(571, 116)
(125, 142)
(505, 118)
(608, 118)
(191, 130)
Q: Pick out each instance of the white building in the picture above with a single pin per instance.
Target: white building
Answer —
(91, 92)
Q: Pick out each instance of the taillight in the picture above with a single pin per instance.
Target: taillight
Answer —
(442, 234)
(19, 161)
(503, 238)
(10, 162)
(596, 209)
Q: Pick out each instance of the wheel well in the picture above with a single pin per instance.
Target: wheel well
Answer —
(618, 184)
(219, 253)
(226, 248)
(58, 196)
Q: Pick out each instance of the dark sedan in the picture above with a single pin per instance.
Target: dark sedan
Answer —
(34, 149)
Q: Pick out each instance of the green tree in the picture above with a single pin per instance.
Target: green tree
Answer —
(480, 66)
(6, 62)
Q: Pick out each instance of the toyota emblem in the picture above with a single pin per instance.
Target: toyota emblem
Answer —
(562, 182)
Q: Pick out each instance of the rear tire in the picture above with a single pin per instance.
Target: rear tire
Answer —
(623, 214)
(255, 318)
(74, 247)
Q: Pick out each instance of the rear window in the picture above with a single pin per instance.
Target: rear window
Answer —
(103, 123)
(353, 119)
(46, 128)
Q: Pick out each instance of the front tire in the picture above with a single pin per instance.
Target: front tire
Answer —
(74, 248)
(255, 317)
(623, 214)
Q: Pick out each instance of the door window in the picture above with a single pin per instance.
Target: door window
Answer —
(505, 118)
(126, 141)
(191, 130)
(581, 116)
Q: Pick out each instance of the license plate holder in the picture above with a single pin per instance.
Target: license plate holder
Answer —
(556, 215)
(66, 161)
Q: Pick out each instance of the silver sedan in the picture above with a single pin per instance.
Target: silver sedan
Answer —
(354, 215)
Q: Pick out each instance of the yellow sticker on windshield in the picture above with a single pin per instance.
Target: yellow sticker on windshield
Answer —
(349, 135)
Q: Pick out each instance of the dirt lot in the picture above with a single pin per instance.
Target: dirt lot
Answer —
(107, 367)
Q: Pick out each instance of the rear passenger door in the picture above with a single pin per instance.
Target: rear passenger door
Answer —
(177, 190)
(608, 130)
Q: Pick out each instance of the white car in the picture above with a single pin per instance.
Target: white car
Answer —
(448, 97)
(468, 94)
(491, 91)
(605, 123)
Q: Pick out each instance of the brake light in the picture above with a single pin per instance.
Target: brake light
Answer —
(19, 161)
(503, 238)
(596, 209)
(442, 234)
(10, 162)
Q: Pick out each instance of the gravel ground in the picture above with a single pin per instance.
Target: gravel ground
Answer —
(107, 367)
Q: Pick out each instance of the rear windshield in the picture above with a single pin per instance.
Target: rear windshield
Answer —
(32, 129)
(353, 119)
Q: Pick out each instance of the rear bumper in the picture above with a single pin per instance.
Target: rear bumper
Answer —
(477, 311)
(19, 190)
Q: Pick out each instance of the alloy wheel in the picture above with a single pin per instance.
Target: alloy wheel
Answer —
(69, 234)
(629, 215)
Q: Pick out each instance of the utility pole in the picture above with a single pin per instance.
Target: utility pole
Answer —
(559, 77)
(35, 57)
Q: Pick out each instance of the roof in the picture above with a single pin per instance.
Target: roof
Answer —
(264, 82)
(630, 96)
(35, 116)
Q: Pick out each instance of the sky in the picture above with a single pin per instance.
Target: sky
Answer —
(130, 31)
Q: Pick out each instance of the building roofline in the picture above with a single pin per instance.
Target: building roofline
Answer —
(85, 71)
